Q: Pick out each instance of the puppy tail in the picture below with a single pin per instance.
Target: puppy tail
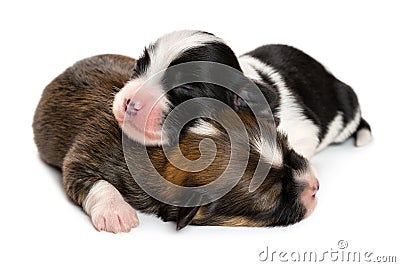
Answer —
(363, 134)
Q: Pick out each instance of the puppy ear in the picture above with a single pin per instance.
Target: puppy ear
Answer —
(185, 216)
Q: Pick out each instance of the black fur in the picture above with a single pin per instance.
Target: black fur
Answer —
(316, 90)
(216, 51)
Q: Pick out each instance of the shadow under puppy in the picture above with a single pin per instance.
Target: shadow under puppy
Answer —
(75, 130)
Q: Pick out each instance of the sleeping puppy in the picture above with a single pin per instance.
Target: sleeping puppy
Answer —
(314, 108)
(75, 130)
(144, 106)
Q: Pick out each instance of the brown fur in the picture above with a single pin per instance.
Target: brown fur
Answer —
(76, 131)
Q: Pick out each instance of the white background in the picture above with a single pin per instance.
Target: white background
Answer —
(359, 196)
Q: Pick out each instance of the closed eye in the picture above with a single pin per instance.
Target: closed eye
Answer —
(185, 87)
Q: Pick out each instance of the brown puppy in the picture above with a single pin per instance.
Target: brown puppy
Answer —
(75, 130)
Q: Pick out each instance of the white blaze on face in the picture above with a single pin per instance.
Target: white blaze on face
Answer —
(147, 92)
(170, 46)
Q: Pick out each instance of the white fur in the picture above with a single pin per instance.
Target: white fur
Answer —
(350, 128)
(108, 209)
(363, 137)
(334, 128)
(302, 133)
(149, 86)
(263, 146)
(248, 70)
(162, 53)
(203, 127)
(168, 47)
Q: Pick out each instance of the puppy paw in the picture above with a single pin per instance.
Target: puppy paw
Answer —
(108, 210)
(114, 217)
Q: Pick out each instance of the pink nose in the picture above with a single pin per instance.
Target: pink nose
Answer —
(131, 107)
(314, 186)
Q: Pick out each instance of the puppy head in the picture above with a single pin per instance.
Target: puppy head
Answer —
(285, 196)
(141, 105)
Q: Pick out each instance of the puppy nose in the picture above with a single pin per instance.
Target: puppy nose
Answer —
(315, 186)
(131, 107)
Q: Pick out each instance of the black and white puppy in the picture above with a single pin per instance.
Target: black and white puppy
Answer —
(315, 109)
(143, 104)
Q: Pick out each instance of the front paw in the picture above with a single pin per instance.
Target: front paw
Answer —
(115, 217)
(108, 209)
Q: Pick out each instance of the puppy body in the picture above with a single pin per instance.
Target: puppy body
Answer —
(75, 130)
(315, 109)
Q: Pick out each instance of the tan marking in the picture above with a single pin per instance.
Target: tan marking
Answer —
(242, 221)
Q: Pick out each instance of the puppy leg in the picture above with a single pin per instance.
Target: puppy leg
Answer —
(363, 134)
(104, 204)
(108, 210)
